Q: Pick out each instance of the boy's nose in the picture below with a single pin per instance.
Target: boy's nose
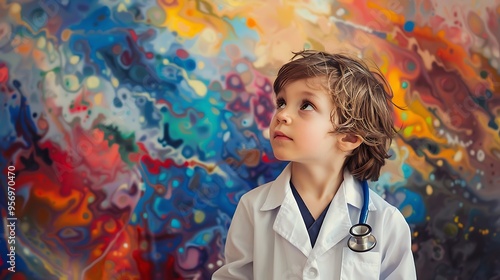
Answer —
(283, 117)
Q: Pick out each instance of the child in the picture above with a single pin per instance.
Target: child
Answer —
(334, 124)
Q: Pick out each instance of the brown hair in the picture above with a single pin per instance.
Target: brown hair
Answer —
(363, 105)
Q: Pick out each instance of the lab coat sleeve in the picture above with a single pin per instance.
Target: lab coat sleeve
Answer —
(239, 246)
(398, 260)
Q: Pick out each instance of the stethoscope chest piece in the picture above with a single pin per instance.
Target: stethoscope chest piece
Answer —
(361, 239)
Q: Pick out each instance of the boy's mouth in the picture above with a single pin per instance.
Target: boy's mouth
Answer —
(281, 135)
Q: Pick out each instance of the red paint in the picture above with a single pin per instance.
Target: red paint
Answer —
(4, 73)
(133, 34)
(126, 58)
(265, 158)
(181, 53)
(153, 165)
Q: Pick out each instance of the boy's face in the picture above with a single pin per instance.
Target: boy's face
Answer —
(301, 127)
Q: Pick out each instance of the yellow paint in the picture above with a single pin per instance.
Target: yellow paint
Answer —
(429, 190)
(199, 216)
(115, 82)
(185, 27)
(98, 98)
(41, 43)
(92, 82)
(74, 59)
(122, 8)
(199, 87)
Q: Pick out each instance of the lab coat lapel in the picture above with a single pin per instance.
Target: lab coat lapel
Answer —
(288, 223)
(336, 225)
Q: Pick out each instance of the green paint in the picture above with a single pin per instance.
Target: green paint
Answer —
(404, 116)
(408, 130)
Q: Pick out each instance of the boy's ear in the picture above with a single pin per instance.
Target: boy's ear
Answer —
(349, 142)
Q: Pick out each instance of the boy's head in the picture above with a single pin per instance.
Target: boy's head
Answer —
(361, 100)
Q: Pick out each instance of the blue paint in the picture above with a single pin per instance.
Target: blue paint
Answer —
(175, 183)
(379, 34)
(175, 223)
(407, 170)
(162, 176)
(416, 202)
(409, 26)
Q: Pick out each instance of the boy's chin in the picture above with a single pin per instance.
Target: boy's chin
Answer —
(281, 157)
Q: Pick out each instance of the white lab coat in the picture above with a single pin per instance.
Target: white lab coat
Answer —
(267, 238)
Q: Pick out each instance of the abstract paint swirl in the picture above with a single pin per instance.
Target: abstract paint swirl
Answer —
(135, 127)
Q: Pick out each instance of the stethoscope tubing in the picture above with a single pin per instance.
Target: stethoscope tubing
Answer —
(363, 216)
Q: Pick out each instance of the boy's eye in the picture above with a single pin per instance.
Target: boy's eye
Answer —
(307, 106)
(280, 103)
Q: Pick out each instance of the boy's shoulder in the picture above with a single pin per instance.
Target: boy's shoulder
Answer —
(380, 203)
(385, 209)
(258, 193)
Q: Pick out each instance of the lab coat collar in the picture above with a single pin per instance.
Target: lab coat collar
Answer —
(278, 189)
(280, 186)
(354, 192)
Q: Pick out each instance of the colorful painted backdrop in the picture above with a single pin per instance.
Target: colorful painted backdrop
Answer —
(135, 126)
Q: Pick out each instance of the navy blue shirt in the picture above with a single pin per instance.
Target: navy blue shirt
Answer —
(313, 226)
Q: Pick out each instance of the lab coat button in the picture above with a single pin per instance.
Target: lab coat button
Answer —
(313, 272)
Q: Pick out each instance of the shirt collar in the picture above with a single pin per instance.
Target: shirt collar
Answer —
(281, 186)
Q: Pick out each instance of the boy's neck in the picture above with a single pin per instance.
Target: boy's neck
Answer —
(317, 182)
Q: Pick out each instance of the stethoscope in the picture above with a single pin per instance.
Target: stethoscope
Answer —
(361, 239)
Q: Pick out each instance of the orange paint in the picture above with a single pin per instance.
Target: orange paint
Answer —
(251, 23)
(25, 48)
(65, 35)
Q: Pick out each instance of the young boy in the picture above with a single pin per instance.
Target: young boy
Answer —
(334, 124)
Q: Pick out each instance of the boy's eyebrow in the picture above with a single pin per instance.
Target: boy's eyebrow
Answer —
(303, 92)
(309, 94)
